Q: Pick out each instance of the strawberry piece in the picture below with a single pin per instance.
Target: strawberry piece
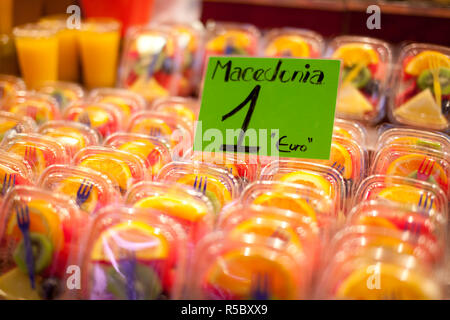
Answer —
(407, 94)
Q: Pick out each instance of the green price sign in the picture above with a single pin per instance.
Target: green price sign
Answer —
(268, 106)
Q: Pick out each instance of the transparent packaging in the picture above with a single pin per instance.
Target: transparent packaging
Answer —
(64, 93)
(9, 86)
(14, 172)
(183, 108)
(11, 124)
(351, 130)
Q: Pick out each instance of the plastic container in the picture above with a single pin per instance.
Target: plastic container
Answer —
(133, 254)
(154, 152)
(292, 42)
(183, 108)
(40, 232)
(89, 189)
(9, 86)
(414, 99)
(63, 92)
(351, 130)
(14, 172)
(366, 64)
(11, 124)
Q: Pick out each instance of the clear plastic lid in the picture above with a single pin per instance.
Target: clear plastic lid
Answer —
(11, 124)
(40, 232)
(64, 93)
(38, 106)
(37, 150)
(154, 152)
(133, 254)
(73, 136)
(366, 69)
(248, 267)
(215, 183)
(351, 130)
(89, 189)
(184, 108)
(9, 86)
(188, 207)
(121, 167)
(14, 171)
(417, 99)
(292, 42)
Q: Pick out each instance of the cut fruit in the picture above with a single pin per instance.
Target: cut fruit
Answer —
(351, 101)
(236, 38)
(360, 79)
(153, 127)
(355, 53)
(376, 221)
(287, 202)
(424, 60)
(311, 180)
(42, 251)
(72, 185)
(93, 116)
(146, 241)
(406, 195)
(70, 138)
(175, 206)
(179, 110)
(15, 285)
(32, 154)
(422, 110)
(426, 80)
(288, 45)
(395, 283)
(340, 159)
(146, 150)
(149, 89)
(235, 271)
(119, 102)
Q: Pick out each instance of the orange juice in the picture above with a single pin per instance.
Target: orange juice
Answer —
(68, 65)
(37, 49)
(99, 43)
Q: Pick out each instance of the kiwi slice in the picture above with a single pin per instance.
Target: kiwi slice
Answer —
(361, 80)
(42, 249)
(425, 80)
(214, 201)
(147, 284)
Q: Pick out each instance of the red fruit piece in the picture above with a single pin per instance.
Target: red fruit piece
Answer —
(164, 79)
(407, 94)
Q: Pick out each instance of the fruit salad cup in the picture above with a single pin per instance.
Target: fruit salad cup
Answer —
(191, 209)
(152, 63)
(350, 130)
(421, 93)
(12, 124)
(174, 131)
(154, 152)
(312, 175)
(133, 254)
(217, 184)
(291, 42)
(366, 64)
(37, 150)
(39, 233)
(183, 108)
(73, 136)
(40, 107)
(103, 117)
(89, 189)
(9, 86)
(419, 163)
(64, 93)
(121, 167)
(248, 267)
(13, 172)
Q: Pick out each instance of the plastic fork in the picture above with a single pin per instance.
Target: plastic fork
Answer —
(414, 227)
(425, 169)
(23, 221)
(155, 132)
(84, 119)
(340, 168)
(128, 267)
(434, 69)
(9, 181)
(30, 155)
(423, 202)
(199, 185)
(84, 190)
(353, 73)
(260, 286)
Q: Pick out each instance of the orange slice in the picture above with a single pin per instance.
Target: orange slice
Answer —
(238, 38)
(404, 194)
(310, 179)
(355, 53)
(97, 116)
(71, 186)
(37, 163)
(340, 159)
(295, 45)
(287, 202)
(424, 60)
(179, 110)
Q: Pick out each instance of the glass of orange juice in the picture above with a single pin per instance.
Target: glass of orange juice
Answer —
(99, 41)
(37, 48)
(68, 61)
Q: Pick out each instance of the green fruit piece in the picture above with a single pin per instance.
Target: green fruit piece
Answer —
(429, 144)
(425, 80)
(214, 201)
(147, 284)
(414, 176)
(42, 249)
(361, 80)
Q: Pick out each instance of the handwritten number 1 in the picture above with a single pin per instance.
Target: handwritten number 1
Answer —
(252, 98)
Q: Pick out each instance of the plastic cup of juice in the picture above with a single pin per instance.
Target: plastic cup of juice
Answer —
(68, 55)
(37, 48)
(99, 41)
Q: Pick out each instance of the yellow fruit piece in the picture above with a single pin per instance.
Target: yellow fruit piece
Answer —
(422, 109)
(179, 110)
(152, 127)
(310, 179)
(355, 53)
(395, 283)
(69, 137)
(426, 60)
(15, 285)
(404, 194)
(352, 102)
(150, 89)
(71, 186)
(287, 202)
(119, 102)
(293, 45)
(213, 185)
(235, 270)
(175, 206)
(146, 241)
(98, 116)
(6, 125)
(237, 38)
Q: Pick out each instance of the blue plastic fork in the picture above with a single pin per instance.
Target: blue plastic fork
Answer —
(155, 132)
(260, 286)
(338, 167)
(84, 119)
(84, 190)
(128, 267)
(424, 204)
(23, 220)
(9, 181)
(199, 185)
